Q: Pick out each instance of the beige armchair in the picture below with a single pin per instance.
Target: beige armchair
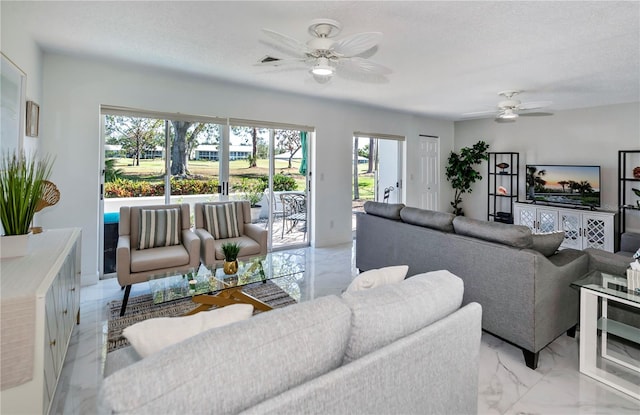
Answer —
(252, 238)
(134, 265)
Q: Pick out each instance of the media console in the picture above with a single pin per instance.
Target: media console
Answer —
(582, 228)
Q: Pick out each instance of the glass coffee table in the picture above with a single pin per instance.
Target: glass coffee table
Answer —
(599, 287)
(210, 286)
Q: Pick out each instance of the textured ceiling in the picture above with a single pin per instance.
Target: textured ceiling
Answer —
(447, 58)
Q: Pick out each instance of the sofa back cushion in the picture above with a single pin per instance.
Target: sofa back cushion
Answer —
(387, 313)
(238, 365)
(517, 236)
(385, 210)
(441, 221)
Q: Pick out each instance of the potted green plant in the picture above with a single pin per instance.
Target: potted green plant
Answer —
(21, 187)
(230, 251)
(461, 173)
(253, 192)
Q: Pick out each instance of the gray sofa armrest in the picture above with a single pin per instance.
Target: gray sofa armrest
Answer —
(554, 295)
(258, 234)
(191, 243)
(207, 248)
(607, 261)
(123, 260)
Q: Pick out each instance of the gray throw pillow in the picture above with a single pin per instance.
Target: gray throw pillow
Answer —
(441, 221)
(547, 243)
(385, 210)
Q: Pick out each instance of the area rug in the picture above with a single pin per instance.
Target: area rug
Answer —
(141, 308)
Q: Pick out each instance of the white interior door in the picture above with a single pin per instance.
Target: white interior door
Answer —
(429, 150)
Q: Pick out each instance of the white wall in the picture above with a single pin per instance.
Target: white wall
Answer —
(23, 51)
(589, 136)
(74, 89)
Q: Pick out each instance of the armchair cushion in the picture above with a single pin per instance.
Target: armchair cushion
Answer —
(222, 220)
(165, 257)
(159, 227)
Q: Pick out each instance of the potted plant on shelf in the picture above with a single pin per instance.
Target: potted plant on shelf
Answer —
(230, 251)
(21, 186)
(461, 173)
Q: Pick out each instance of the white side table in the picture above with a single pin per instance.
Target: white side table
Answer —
(601, 288)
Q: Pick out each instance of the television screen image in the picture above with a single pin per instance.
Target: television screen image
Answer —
(570, 185)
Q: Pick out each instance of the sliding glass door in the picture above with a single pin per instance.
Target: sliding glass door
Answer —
(156, 158)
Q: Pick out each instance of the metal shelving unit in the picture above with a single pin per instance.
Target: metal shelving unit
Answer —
(627, 201)
(503, 186)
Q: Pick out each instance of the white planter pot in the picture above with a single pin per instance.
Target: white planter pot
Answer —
(255, 214)
(14, 246)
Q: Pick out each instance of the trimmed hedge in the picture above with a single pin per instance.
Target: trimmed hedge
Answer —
(131, 188)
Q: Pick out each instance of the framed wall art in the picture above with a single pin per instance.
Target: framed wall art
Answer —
(33, 118)
(13, 83)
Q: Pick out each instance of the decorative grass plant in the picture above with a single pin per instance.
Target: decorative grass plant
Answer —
(231, 251)
(21, 186)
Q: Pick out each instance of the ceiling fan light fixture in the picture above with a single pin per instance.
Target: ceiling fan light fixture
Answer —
(322, 68)
(508, 114)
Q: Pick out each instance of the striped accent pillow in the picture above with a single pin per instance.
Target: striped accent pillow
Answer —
(221, 220)
(159, 227)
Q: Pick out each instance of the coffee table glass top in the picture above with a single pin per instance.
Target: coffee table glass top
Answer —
(205, 280)
(615, 285)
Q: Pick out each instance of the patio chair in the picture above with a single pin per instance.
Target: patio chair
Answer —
(229, 221)
(166, 246)
(276, 206)
(294, 206)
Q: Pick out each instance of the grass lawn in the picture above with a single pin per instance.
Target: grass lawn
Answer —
(152, 170)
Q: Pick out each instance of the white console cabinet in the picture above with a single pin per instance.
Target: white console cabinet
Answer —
(582, 228)
(40, 291)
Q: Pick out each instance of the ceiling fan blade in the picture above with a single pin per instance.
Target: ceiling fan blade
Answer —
(287, 41)
(270, 61)
(363, 65)
(478, 113)
(533, 105)
(356, 44)
(536, 114)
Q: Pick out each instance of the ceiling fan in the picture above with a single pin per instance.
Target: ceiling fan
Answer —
(510, 108)
(324, 55)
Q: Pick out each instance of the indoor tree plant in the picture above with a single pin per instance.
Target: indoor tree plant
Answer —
(21, 185)
(461, 173)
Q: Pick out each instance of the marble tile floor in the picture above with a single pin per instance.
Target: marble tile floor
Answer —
(506, 385)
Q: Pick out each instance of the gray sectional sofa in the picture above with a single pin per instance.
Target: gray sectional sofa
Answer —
(525, 293)
(401, 348)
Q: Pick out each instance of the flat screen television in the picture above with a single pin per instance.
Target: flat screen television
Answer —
(563, 184)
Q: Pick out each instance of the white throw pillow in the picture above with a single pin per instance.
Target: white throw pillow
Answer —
(377, 277)
(152, 335)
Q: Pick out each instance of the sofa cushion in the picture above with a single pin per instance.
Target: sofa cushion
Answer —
(441, 221)
(378, 277)
(236, 366)
(222, 220)
(385, 210)
(154, 334)
(159, 227)
(384, 314)
(547, 243)
(517, 236)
